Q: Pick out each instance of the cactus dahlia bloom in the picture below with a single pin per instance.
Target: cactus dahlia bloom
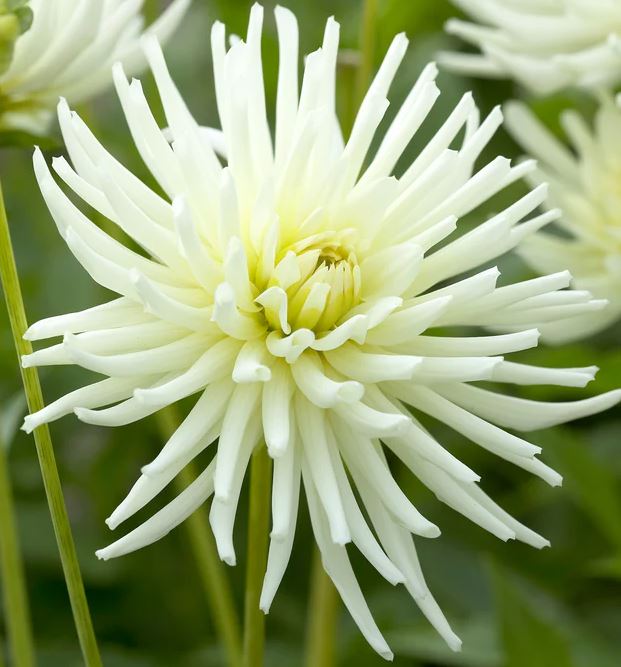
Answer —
(69, 50)
(545, 45)
(297, 291)
(585, 185)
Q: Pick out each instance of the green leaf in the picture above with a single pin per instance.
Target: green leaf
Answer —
(480, 646)
(11, 414)
(527, 638)
(19, 139)
(591, 483)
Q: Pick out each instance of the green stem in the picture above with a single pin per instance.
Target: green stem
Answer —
(368, 30)
(324, 603)
(17, 614)
(256, 556)
(211, 571)
(45, 450)
(151, 10)
(323, 611)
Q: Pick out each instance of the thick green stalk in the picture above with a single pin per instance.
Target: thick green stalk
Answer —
(256, 556)
(17, 614)
(45, 451)
(211, 571)
(368, 30)
(324, 602)
(323, 611)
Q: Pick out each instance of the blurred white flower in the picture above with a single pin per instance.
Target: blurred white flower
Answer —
(546, 45)
(299, 290)
(69, 51)
(586, 184)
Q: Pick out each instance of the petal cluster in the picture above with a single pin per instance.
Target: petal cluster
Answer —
(546, 45)
(68, 51)
(584, 181)
(315, 299)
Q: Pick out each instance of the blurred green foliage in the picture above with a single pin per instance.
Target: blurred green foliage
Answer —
(513, 606)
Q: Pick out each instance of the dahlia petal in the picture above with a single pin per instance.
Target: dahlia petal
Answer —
(287, 95)
(89, 193)
(364, 461)
(94, 395)
(237, 421)
(169, 357)
(249, 366)
(159, 242)
(129, 52)
(400, 548)
(523, 414)
(432, 370)
(206, 414)
(169, 308)
(276, 410)
(228, 316)
(275, 305)
(316, 459)
(361, 534)
(407, 323)
(122, 339)
(537, 140)
(49, 356)
(285, 502)
(150, 141)
(355, 328)
(365, 367)
(224, 509)
(409, 118)
(69, 218)
(484, 346)
(103, 271)
(483, 433)
(336, 563)
(417, 442)
(370, 422)
(522, 533)
(391, 271)
(162, 522)
(436, 233)
(86, 153)
(180, 120)
(507, 371)
(467, 290)
(211, 366)
(148, 486)
(286, 469)
(116, 313)
(203, 267)
(450, 492)
(319, 388)
(290, 347)
(440, 141)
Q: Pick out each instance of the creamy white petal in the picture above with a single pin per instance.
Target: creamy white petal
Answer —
(338, 567)
(316, 458)
(224, 509)
(162, 522)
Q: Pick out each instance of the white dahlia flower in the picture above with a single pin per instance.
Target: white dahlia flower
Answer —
(69, 50)
(546, 45)
(584, 183)
(297, 290)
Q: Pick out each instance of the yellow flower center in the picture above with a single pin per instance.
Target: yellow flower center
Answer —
(318, 277)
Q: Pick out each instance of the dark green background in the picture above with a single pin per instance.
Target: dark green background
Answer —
(512, 605)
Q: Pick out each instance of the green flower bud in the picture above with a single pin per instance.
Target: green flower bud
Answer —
(15, 19)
